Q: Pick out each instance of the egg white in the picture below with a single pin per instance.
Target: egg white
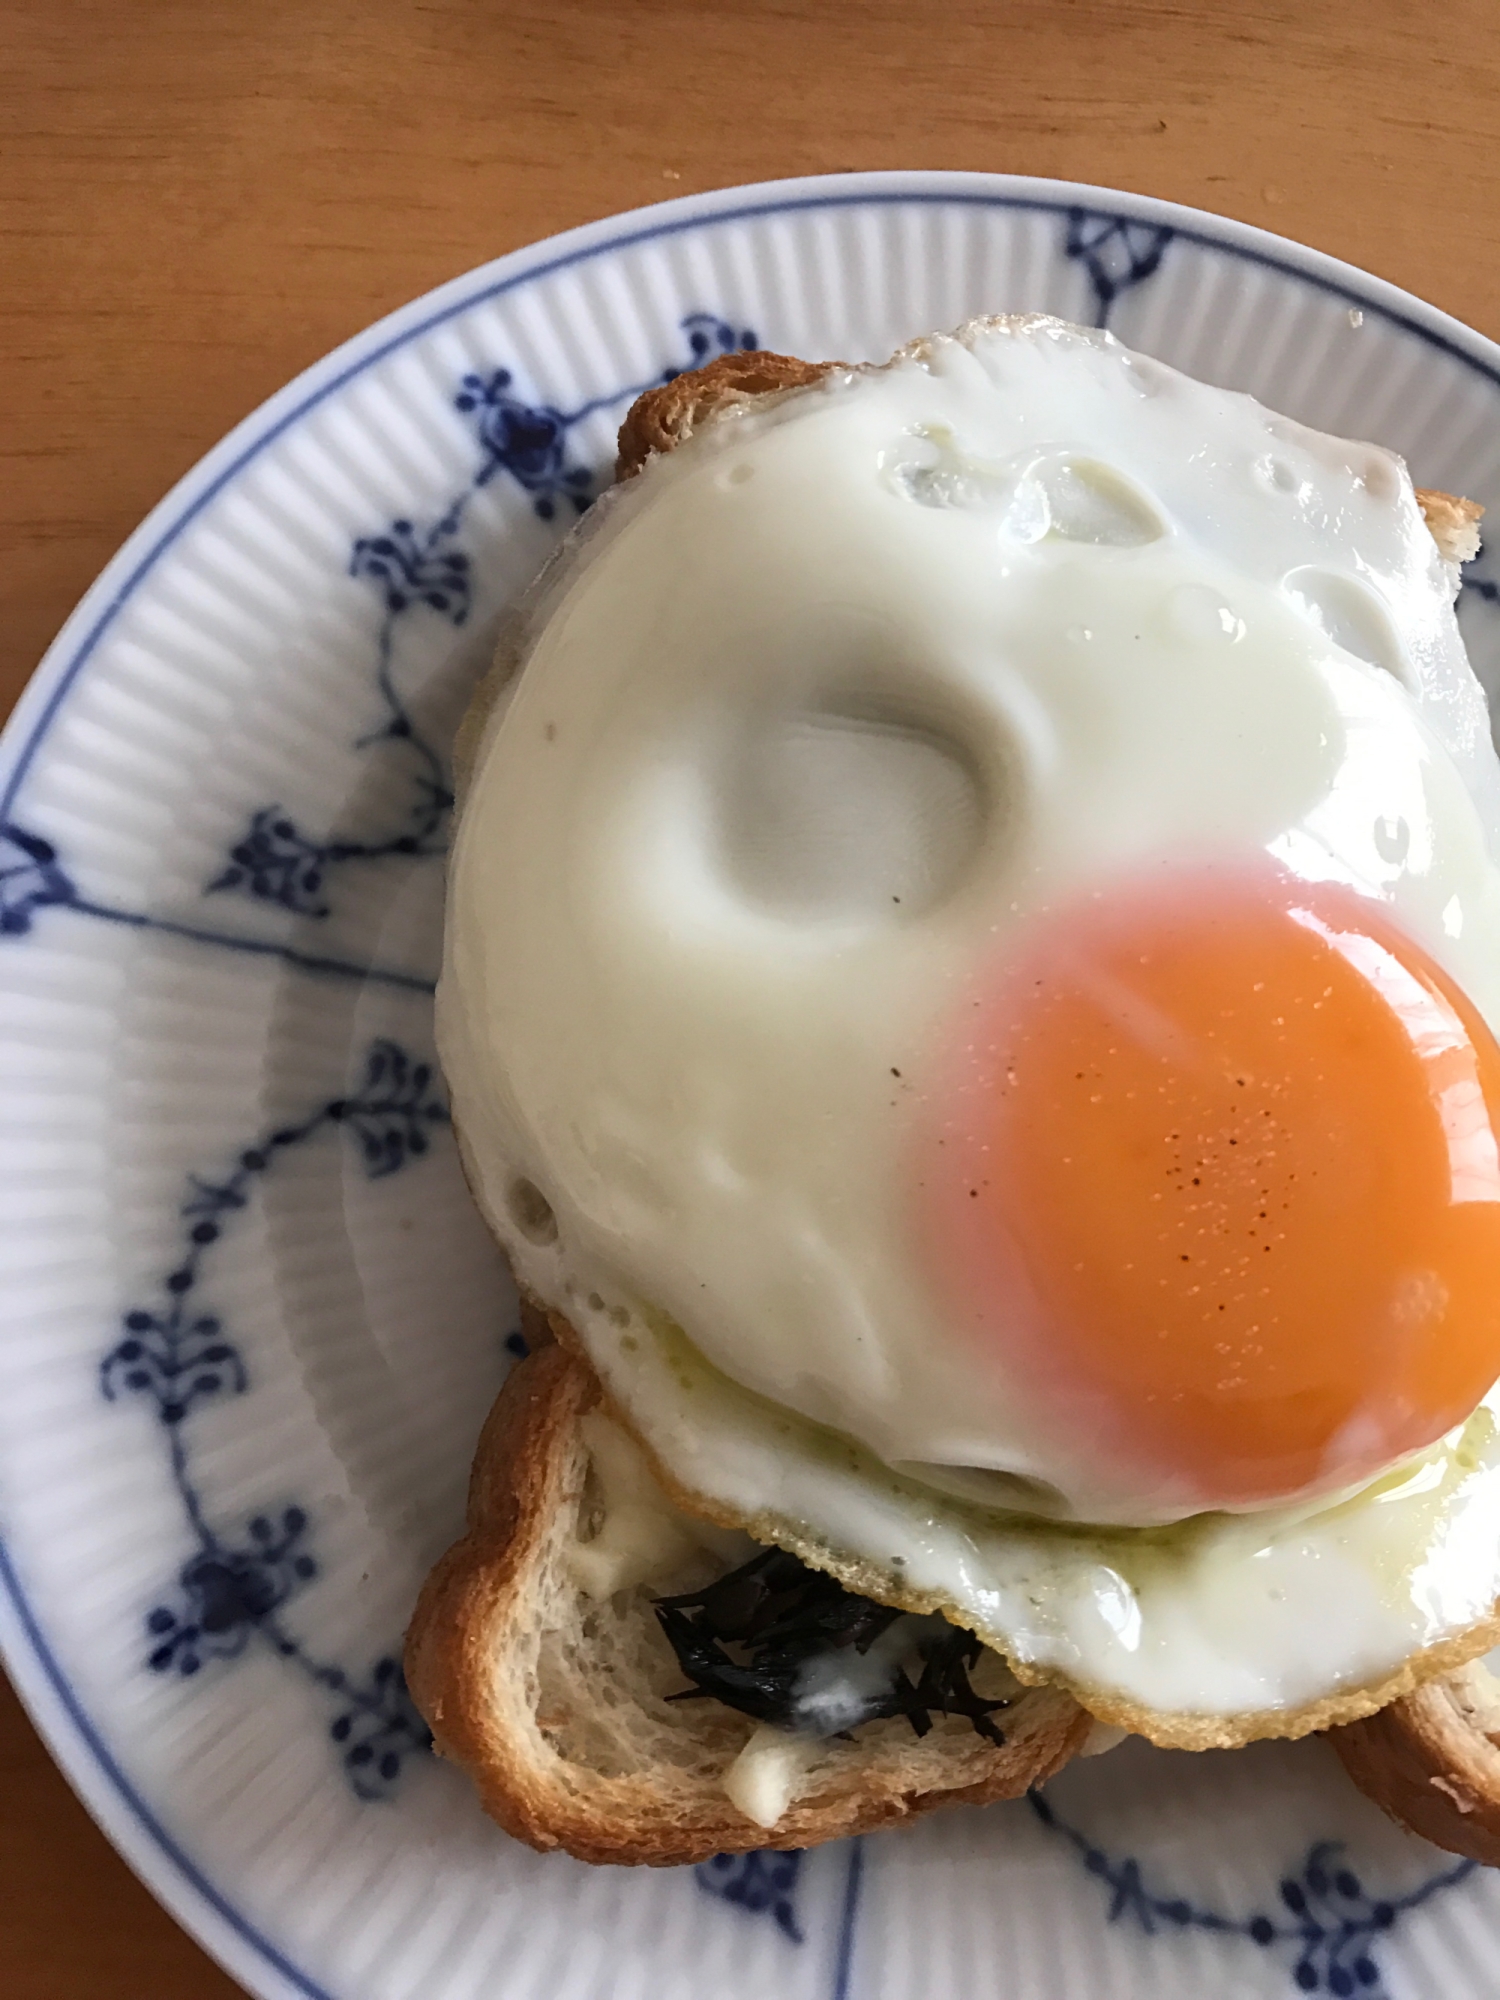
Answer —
(827, 700)
(1211, 1632)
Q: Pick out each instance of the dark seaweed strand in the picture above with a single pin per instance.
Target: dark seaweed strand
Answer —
(779, 1615)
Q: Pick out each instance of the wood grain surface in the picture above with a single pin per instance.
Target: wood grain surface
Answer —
(199, 197)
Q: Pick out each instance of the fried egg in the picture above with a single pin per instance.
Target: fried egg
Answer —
(971, 980)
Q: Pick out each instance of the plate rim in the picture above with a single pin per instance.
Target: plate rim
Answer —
(59, 666)
(75, 1741)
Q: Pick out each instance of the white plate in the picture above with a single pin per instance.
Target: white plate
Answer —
(251, 1324)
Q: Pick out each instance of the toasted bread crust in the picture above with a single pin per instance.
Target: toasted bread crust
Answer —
(664, 417)
(1452, 522)
(1432, 1761)
(472, 1595)
(473, 1641)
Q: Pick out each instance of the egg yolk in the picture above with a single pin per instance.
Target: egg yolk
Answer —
(1213, 1166)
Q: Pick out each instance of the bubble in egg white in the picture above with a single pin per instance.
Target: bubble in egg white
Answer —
(531, 1212)
(1053, 493)
(1199, 614)
(1089, 501)
(1349, 611)
(1276, 474)
(932, 468)
(1392, 838)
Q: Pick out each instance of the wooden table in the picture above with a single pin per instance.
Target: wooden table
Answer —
(199, 197)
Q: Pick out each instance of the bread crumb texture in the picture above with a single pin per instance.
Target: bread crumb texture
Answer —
(557, 1703)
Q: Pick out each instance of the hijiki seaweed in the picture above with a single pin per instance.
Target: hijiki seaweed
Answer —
(781, 1617)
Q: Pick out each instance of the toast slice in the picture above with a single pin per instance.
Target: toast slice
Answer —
(1432, 1761)
(554, 1690)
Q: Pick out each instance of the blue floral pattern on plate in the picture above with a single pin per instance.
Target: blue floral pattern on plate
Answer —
(417, 570)
(176, 1356)
(34, 878)
(764, 1882)
(1323, 1923)
(1117, 254)
(1327, 1927)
